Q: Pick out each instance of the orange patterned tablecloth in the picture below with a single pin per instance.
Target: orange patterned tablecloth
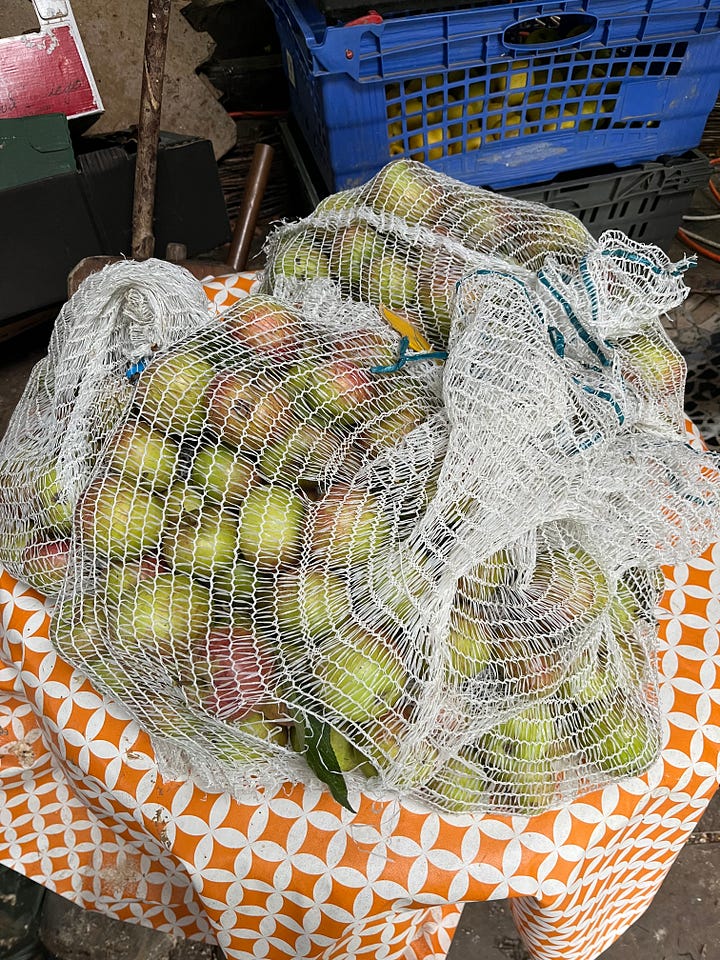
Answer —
(84, 810)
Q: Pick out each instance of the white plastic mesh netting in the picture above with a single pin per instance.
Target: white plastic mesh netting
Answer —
(73, 400)
(308, 549)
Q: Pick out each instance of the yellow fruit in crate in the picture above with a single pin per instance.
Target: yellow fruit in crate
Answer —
(589, 107)
(517, 79)
(541, 35)
(434, 80)
(473, 141)
(413, 86)
(418, 142)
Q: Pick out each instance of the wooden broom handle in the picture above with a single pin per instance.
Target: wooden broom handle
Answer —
(156, 34)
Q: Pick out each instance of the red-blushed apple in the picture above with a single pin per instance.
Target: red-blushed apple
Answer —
(45, 563)
(271, 526)
(223, 474)
(336, 390)
(202, 546)
(165, 617)
(348, 525)
(172, 392)
(359, 677)
(265, 326)
(242, 675)
(248, 409)
(310, 604)
(119, 519)
(652, 363)
(140, 453)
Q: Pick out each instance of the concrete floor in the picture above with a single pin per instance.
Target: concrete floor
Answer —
(683, 923)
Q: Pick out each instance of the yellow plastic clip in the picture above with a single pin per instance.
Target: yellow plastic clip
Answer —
(403, 326)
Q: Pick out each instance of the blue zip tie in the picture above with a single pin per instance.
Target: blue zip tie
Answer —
(136, 369)
(404, 357)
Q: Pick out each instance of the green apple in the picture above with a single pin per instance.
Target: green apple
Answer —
(438, 281)
(388, 429)
(460, 786)
(248, 409)
(204, 546)
(165, 616)
(301, 256)
(588, 681)
(652, 363)
(119, 519)
(172, 392)
(359, 677)
(241, 751)
(122, 577)
(617, 737)
(356, 249)
(238, 582)
(223, 474)
(405, 189)
(568, 587)
(78, 630)
(140, 453)
(271, 526)
(391, 282)
(302, 456)
(57, 508)
(485, 580)
(182, 501)
(311, 605)
(468, 646)
(519, 757)
(348, 526)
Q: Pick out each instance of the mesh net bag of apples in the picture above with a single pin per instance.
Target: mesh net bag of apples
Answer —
(395, 523)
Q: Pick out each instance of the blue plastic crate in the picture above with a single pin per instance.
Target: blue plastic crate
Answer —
(502, 95)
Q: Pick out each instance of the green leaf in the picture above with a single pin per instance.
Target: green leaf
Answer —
(322, 761)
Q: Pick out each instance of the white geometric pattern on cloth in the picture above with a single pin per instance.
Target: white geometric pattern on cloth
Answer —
(83, 810)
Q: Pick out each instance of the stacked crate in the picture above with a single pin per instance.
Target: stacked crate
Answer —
(507, 94)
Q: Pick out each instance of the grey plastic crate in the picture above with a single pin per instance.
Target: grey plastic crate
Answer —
(647, 202)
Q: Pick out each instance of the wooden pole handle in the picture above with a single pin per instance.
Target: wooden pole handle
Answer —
(156, 33)
(255, 185)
